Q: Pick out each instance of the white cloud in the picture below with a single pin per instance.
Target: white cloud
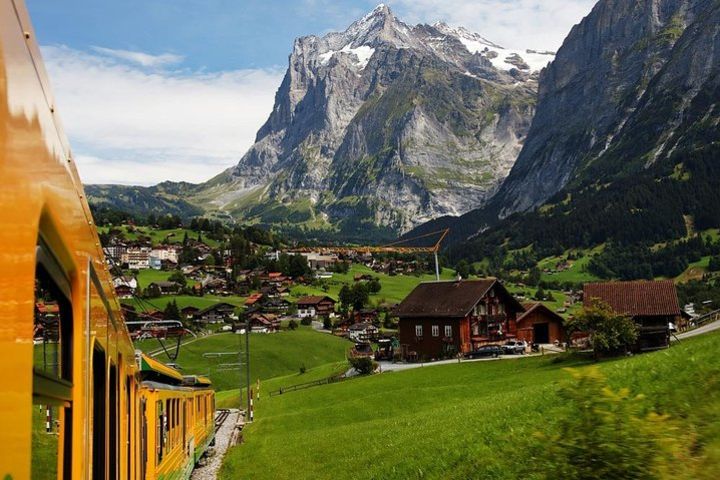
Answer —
(537, 24)
(129, 124)
(144, 59)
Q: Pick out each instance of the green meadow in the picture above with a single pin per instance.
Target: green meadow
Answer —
(470, 420)
(271, 355)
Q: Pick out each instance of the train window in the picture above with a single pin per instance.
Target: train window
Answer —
(160, 431)
(52, 369)
(143, 438)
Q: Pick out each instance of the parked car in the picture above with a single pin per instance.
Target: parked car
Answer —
(385, 349)
(513, 347)
(487, 351)
(361, 350)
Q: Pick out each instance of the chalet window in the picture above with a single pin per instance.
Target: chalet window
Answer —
(483, 309)
(435, 330)
(492, 293)
(501, 308)
(418, 331)
(448, 330)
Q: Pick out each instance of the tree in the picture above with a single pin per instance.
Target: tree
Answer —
(171, 311)
(298, 266)
(463, 269)
(534, 275)
(363, 365)
(186, 240)
(374, 285)
(609, 331)
(152, 291)
(178, 277)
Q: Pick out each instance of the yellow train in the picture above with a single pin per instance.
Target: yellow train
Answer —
(76, 401)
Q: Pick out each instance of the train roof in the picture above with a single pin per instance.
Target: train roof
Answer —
(196, 381)
(151, 369)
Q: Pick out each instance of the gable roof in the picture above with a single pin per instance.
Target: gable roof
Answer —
(541, 307)
(313, 300)
(447, 299)
(637, 298)
(215, 306)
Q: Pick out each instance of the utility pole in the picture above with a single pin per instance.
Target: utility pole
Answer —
(437, 267)
(247, 367)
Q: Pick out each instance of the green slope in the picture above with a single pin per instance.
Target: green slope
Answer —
(271, 355)
(469, 420)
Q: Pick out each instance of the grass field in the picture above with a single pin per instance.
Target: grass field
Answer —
(174, 235)
(186, 300)
(394, 288)
(469, 420)
(576, 273)
(271, 355)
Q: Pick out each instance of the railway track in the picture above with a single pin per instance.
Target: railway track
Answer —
(222, 415)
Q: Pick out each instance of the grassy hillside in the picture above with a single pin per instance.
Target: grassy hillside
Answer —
(469, 420)
(394, 288)
(274, 355)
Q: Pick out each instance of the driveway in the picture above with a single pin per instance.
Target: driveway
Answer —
(710, 327)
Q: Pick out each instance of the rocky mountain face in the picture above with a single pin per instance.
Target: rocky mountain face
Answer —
(382, 127)
(623, 83)
(634, 86)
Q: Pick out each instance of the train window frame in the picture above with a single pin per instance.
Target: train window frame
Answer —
(51, 389)
(55, 389)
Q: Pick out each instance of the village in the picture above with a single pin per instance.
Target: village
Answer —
(205, 289)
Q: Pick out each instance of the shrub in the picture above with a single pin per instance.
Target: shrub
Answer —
(604, 434)
(364, 365)
(302, 369)
(306, 321)
(292, 325)
(327, 323)
(609, 331)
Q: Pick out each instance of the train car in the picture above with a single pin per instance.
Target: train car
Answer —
(177, 421)
(73, 404)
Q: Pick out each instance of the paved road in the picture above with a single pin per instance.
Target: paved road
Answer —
(395, 367)
(710, 327)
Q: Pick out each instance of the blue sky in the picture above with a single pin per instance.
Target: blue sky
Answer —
(189, 82)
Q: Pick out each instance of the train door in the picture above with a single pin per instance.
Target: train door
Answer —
(112, 422)
(143, 438)
(98, 417)
(130, 407)
(52, 369)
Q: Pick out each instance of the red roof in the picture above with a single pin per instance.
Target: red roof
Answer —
(638, 298)
(253, 298)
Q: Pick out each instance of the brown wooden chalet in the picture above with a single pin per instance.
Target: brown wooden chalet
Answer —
(216, 313)
(315, 306)
(441, 318)
(653, 305)
(538, 324)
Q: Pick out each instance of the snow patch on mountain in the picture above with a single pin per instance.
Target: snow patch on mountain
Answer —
(362, 53)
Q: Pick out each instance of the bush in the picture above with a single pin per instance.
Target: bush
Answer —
(364, 365)
(292, 325)
(303, 369)
(609, 331)
(604, 434)
(327, 323)
(306, 321)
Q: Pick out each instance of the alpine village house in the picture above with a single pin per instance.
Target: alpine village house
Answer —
(442, 319)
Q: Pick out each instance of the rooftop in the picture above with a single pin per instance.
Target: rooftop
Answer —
(643, 298)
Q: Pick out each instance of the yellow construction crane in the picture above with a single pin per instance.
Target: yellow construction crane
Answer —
(395, 247)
